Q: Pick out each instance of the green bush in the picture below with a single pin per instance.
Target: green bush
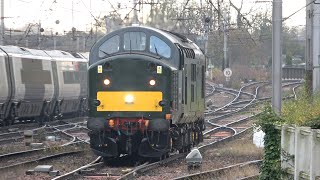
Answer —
(303, 111)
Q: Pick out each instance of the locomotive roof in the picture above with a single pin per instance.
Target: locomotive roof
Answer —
(173, 37)
(170, 38)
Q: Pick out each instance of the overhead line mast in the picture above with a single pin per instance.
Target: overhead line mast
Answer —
(2, 23)
(276, 55)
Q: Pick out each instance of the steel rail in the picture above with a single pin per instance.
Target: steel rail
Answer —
(253, 177)
(40, 159)
(216, 172)
(92, 164)
(203, 148)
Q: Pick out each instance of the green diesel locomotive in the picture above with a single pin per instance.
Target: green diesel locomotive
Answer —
(146, 93)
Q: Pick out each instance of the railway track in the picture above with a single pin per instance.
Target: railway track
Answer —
(223, 173)
(37, 157)
(221, 131)
(213, 137)
(59, 149)
(57, 130)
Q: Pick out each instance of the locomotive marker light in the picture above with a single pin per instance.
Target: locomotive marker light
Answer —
(106, 82)
(152, 82)
(99, 69)
(128, 99)
(159, 69)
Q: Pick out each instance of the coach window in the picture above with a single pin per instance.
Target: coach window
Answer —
(159, 47)
(134, 41)
(110, 46)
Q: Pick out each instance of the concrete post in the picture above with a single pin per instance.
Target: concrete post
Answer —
(309, 47)
(288, 150)
(276, 55)
(2, 23)
(316, 46)
(315, 155)
(303, 139)
(225, 40)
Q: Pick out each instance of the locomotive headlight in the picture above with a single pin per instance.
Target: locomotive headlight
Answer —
(128, 99)
(106, 82)
(152, 82)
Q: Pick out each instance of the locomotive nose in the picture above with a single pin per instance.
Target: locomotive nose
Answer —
(132, 85)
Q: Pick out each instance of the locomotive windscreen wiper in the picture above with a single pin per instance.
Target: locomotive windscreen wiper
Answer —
(155, 48)
(104, 52)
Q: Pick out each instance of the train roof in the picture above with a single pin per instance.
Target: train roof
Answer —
(62, 56)
(44, 54)
(172, 39)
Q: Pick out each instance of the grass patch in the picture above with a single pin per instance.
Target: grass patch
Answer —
(239, 148)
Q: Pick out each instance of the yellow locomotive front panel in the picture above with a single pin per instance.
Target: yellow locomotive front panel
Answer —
(146, 101)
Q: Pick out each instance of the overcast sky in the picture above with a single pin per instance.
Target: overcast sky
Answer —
(21, 12)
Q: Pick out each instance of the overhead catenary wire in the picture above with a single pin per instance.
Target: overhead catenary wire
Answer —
(115, 10)
(183, 9)
(97, 21)
(288, 17)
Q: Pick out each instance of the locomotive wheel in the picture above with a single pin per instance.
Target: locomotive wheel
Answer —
(200, 136)
(164, 156)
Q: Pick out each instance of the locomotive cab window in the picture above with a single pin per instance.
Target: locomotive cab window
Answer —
(159, 47)
(134, 41)
(110, 46)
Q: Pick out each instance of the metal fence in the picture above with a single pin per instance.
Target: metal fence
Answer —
(293, 72)
(300, 153)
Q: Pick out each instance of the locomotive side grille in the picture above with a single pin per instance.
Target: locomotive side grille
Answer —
(175, 90)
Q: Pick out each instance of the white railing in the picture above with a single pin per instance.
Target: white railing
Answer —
(300, 153)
